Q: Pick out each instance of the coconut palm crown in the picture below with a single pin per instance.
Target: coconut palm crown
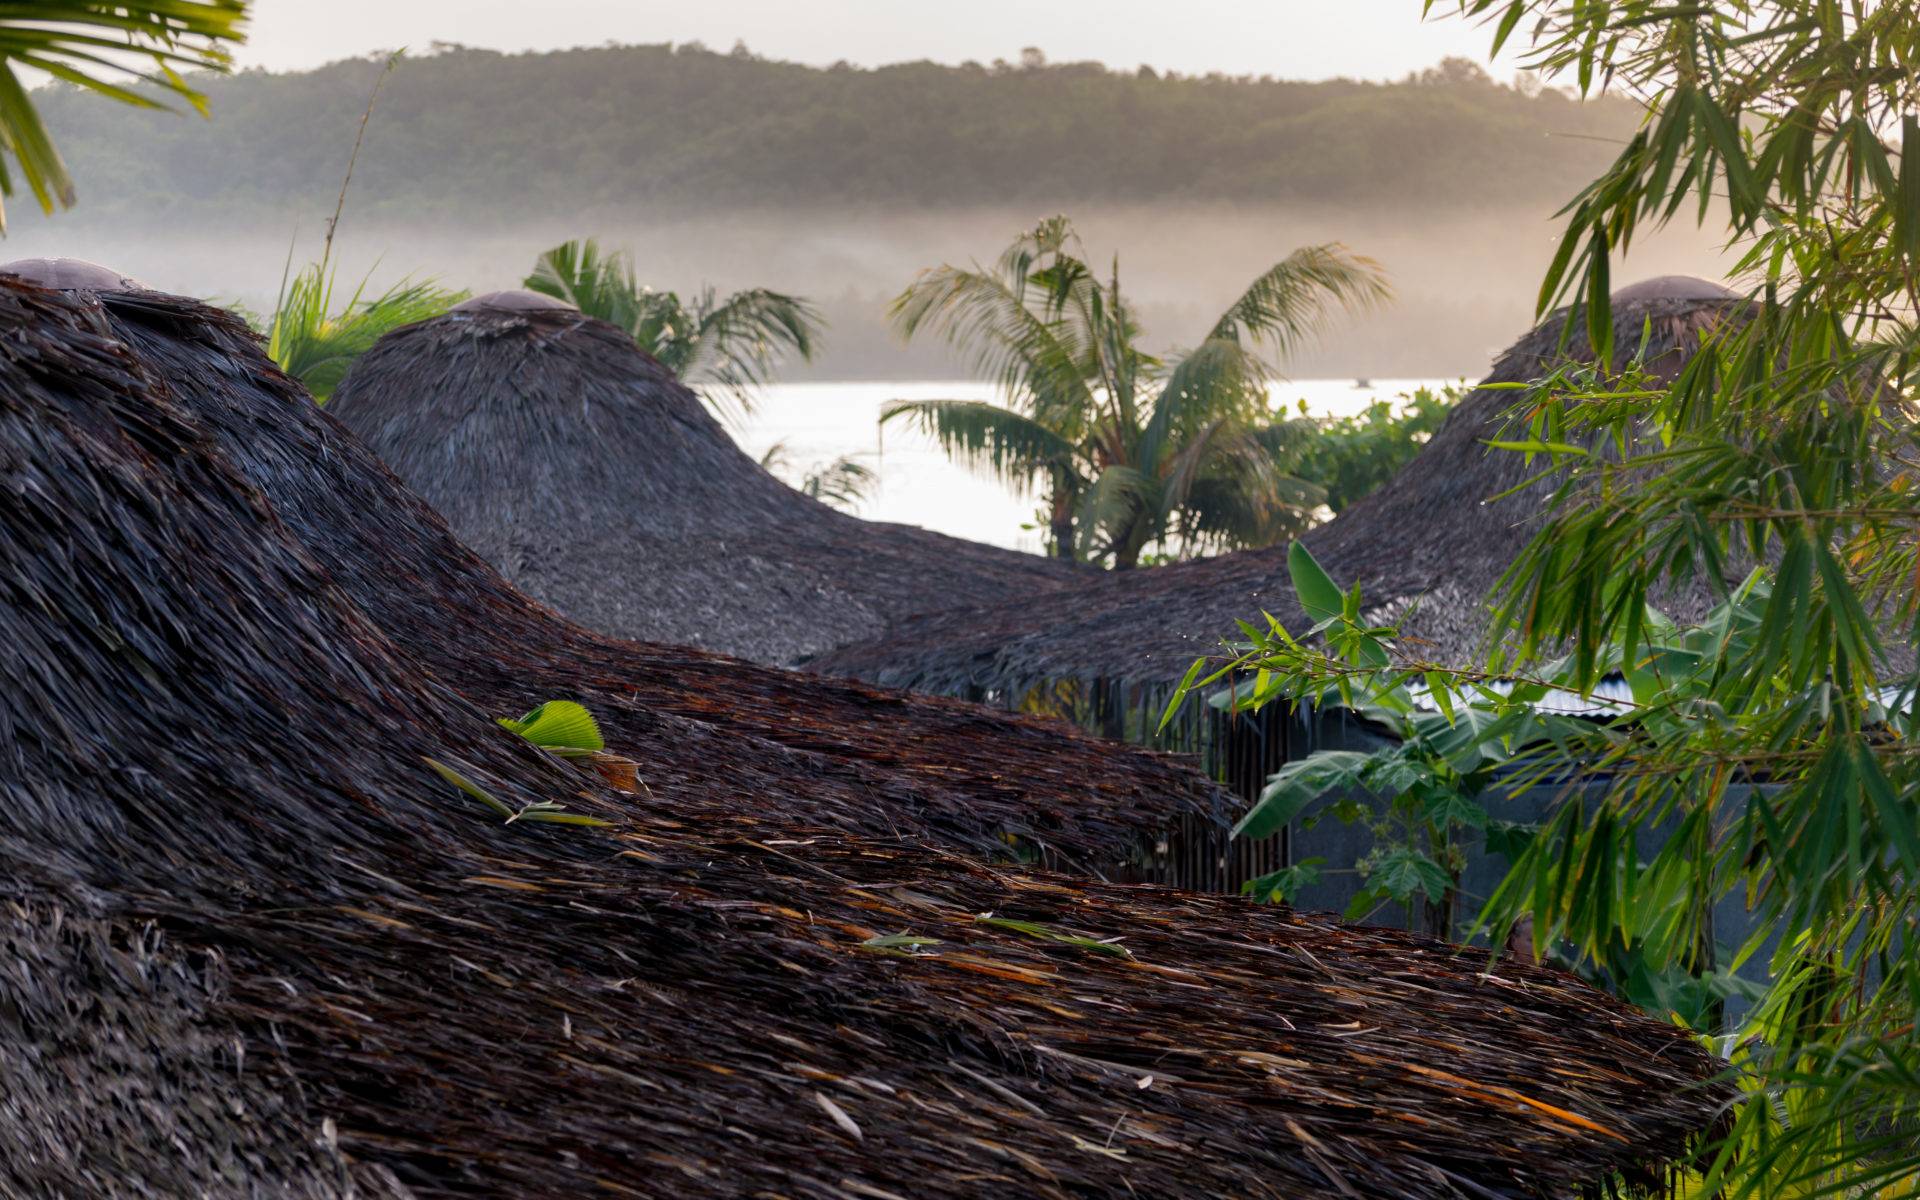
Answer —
(722, 347)
(1129, 450)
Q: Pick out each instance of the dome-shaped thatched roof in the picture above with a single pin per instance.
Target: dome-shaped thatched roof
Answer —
(1426, 548)
(72, 274)
(956, 773)
(510, 301)
(593, 480)
(254, 947)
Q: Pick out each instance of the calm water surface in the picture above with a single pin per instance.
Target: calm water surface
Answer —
(918, 486)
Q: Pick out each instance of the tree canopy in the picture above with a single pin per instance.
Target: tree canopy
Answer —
(477, 134)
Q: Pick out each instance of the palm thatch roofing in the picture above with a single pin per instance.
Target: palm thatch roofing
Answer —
(595, 481)
(254, 947)
(960, 774)
(1426, 549)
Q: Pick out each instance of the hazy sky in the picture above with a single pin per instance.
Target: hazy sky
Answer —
(1295, 39)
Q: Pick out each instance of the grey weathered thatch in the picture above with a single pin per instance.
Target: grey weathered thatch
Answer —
(592, 479)
(251, 947)
(924, 767)
(1426, 549)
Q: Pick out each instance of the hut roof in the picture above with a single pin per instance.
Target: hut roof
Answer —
(253, 946)
(957, 773)
(595, 481)
(511, 300)
(1426, 549)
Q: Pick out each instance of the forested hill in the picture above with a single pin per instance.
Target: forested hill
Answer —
(475, 134)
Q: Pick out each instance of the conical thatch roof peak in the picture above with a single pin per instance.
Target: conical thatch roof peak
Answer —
(1426, 548)
(1683, 288)
(255, 946)
(511, 300)
(593, 479)
(928, 768)
(70, 274)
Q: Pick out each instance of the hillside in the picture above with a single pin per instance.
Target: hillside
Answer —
(841, 183)
(479, 135)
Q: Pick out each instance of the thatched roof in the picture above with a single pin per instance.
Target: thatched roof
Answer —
(253, 947)
(957, 773)
(592, 479)
(1426, 549)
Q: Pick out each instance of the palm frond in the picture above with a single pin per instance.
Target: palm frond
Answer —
(1113, 516)
(776, 459)
(735, 343)
(1220, 515)
(1047, 240)
(1218, 379)
(845, 483)
(1290, 302)
(1177, 474)
(88, 44)
(1226, 490)
(724, 347)
(1282, 440)
(996, 441)
(598, 284)
(1041, 363)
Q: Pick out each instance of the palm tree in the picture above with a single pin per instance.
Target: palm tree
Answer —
(723, 347)
(89, 44)
(1129, 449)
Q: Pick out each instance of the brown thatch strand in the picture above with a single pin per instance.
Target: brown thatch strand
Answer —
(593, 480)
(1426, 549)
(919, 767)
(253, 947)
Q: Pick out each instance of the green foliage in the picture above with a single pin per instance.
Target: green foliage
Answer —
(475, 135)
(541, 812)
(845, 483)
(1347, 457)
(559, 725)
(1276, 886)
(724, 347)
(96, 47)
(316, 339)
(562, 728)
(1132, 450)
(1047, 933)
(1418, 798)
(1766, 753)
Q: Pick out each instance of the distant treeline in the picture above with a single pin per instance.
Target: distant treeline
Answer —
(475, 134)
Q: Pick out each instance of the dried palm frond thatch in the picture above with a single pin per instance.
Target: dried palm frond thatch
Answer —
(958, 773)
(595, 481)
(254, 946)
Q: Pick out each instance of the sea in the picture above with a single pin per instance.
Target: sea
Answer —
(817, 423)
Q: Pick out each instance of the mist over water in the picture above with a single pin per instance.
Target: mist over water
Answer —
(1464, 285)
(1464, 281)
